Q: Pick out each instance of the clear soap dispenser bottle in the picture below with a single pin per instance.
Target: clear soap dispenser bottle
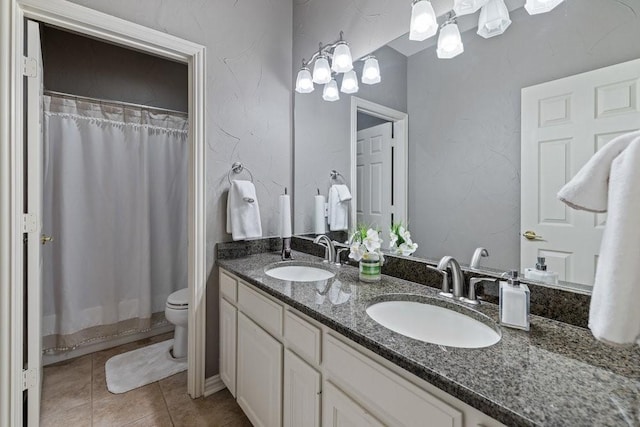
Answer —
(514, 302)
(540, 273)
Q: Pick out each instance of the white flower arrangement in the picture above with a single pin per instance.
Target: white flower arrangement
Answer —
(366, 244)
(401, 242)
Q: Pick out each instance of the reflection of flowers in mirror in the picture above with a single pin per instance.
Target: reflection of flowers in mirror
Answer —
(401, 242)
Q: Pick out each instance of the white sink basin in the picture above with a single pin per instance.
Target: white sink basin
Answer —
(299, 273)
(433, 324)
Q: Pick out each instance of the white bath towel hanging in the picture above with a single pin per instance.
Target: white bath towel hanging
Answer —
(338, 211)
(610, 182)
(243, 212)
(344, 195)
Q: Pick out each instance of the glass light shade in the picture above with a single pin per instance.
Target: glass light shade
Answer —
(304, 82)
(494, 19)
(321, 71)
(467, 7)
(330, 92)
(349, 82)
(449, 41)
(342, 61)
(423, 21)
(371, 71)
(540, 6)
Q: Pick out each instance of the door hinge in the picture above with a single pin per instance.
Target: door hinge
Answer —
(29, 223)
(28, 379)
(29, 67)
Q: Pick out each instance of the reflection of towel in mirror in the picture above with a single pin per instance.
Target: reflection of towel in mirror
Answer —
(338, 210)
(610, 182)
(344, 195)
(243, 212)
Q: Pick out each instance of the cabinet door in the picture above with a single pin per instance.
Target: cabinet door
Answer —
(301, 393)
(339, 410)
(259, 386)
(228, 331)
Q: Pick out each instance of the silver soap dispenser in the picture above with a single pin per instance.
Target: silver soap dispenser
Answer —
(514, 302)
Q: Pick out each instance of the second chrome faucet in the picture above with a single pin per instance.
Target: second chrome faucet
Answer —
(457, 281)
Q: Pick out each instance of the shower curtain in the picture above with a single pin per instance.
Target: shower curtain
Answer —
(115, 201)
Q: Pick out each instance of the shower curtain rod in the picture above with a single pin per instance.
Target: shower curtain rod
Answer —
(108, 101)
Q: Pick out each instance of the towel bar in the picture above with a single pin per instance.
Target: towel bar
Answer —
(238, 168)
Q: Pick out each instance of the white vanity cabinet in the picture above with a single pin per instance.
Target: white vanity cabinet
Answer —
(286, 369)
(259, 384)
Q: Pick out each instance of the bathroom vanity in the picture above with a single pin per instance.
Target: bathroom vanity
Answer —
(307, 354)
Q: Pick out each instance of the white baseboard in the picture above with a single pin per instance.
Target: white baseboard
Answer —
(213, 385)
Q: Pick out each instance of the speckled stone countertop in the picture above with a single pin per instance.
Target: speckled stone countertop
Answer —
(553, 375)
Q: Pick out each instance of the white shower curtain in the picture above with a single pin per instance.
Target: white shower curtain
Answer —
(115, 201)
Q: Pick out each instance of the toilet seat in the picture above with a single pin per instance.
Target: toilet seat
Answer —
(179, 300)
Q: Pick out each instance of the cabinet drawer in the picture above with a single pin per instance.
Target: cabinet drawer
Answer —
(266, 313)
(303, 337)
(228, 286)
(378, 388)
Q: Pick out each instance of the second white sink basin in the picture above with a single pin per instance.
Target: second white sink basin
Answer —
(433, 324)
(299, 273)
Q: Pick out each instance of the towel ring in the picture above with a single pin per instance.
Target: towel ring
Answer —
(238, 168)
(334, 175)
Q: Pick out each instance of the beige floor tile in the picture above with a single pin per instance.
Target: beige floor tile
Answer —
(122, 409)
(217, 410)
(75, 417)
(66, 385)
(159, 419)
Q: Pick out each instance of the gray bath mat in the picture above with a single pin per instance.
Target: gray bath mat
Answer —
(143, 366)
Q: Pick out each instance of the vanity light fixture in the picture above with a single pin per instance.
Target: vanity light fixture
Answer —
(467, 7)
(321, 70)
(371, 70)
(423, 21)
(494, 19)
(341, 63)
(330, 92)
(304, 81)
(449, 41)
(349, 82)
(535, 7)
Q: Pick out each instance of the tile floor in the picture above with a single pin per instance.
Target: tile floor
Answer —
(74, 393)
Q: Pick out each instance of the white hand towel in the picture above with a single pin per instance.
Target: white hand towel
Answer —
(611, 181)
(343, 193)
(338, 211)
(243, 212)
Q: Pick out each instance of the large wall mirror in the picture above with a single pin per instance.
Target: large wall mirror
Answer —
(484, 158)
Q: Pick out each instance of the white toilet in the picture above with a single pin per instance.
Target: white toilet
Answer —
(176, 312)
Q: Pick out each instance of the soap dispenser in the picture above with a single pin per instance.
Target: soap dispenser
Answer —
(540, 273)
(514, 303)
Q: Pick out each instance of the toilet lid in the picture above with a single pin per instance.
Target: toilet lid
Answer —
(179, 298)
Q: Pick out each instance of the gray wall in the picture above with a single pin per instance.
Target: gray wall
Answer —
(323, 131)
(82, 66)
(464, 121)
(248, 115)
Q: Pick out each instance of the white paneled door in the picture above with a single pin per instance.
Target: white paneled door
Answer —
(32, 223)
(374, 177)
(564, 122)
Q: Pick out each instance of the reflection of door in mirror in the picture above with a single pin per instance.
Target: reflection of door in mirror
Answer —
(373, 177)
(379, 141)
(564, 122)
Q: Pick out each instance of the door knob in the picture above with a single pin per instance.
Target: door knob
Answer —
(45, 239)
(531, 235)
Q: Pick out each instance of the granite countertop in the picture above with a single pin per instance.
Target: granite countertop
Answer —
(555, 374)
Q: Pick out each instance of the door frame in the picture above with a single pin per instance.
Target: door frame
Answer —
(88, 22)
(401, 158)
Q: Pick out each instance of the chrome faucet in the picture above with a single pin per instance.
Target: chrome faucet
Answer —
(479, 253)
(473, 298)
(457, 278)
(329, 248)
